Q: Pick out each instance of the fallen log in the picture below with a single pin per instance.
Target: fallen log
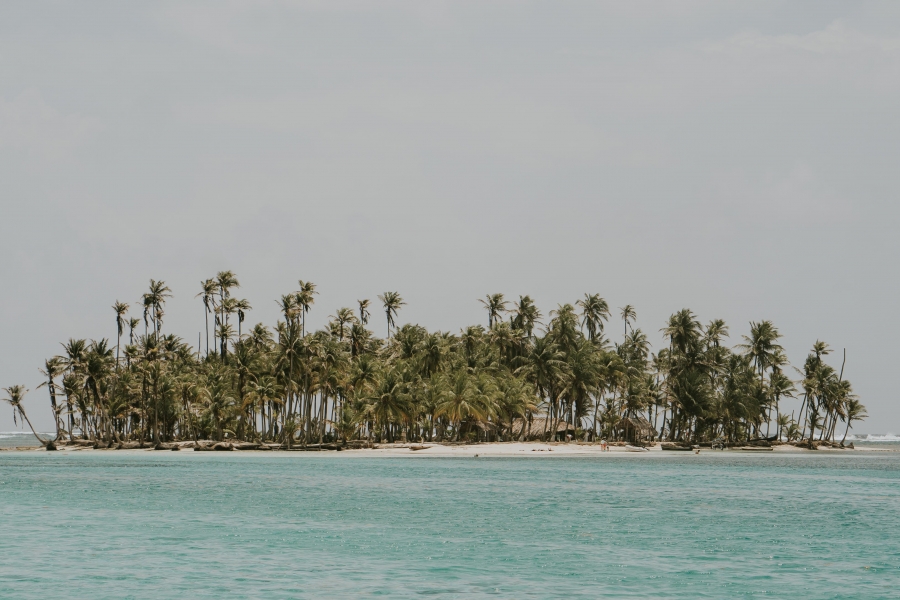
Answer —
(675, 447)
(245, 446)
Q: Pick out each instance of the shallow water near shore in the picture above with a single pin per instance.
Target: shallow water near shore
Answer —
(223, 525)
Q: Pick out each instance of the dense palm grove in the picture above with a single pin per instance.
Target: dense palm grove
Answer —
(286, 385)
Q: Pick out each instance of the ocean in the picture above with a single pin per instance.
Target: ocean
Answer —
(313, 525)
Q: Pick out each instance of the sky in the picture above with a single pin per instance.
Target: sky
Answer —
(735, 158)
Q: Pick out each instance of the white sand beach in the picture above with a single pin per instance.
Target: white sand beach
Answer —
(492, 449)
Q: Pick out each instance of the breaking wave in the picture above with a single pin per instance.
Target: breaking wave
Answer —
(5, 435)
(874, 437)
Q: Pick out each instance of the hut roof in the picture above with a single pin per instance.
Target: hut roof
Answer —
(637, 423)
(539, 426)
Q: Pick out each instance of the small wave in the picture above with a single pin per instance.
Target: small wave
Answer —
(6, 435)
(873, 437)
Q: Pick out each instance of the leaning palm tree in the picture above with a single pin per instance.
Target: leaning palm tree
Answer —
(495, 305)
(53, 368)
(854, 411)
(392, 303)
(15, 395)
(121, 308)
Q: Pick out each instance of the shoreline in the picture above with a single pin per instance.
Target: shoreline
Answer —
(484, 449)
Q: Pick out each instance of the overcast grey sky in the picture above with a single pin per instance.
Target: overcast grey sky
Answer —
(739, 159)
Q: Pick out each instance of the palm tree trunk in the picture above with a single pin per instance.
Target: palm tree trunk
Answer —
(805, 419)
(30, 426)
(52, 390)
(846, 431)
(71, 417)
(156, 411)
(323, 405)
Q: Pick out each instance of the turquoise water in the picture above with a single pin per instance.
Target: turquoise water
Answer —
(210, 525)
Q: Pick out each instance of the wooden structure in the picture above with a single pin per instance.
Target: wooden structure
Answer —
(539, 429)
(635, 429)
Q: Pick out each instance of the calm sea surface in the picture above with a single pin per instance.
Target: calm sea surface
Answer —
(211, 525)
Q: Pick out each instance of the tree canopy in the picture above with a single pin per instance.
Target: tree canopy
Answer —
(518, 377)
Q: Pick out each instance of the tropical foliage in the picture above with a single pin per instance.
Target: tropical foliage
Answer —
(286, 385)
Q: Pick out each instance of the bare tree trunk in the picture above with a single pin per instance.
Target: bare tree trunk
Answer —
(27, 420)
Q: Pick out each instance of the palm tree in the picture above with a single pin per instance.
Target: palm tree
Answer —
(854, 411)
(121, 308)
(761, 345)
(289, 308)
(526, 315)
(343, 317)
(683, 331)
(225, 333)
(363, 311)
(15, 395)
(360, 339)
(208, 290)
(241, 306)
(820, 349)
(594, 311)
(342, 381)
(780, 386)
(461, 402)
(392, 303)
(782, 421)
(147, 304)
(53, 368)
(388, 403)
(763, 350)
(225, 282)
(495, 305)
(628, 315)
(305, 300)
(154, 301)
(715, 331)
(132, 324)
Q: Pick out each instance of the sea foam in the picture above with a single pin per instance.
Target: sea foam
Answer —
(873, 437)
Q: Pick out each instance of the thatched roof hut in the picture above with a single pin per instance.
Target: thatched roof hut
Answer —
(487, 432)
(635, 428)
(539, 427)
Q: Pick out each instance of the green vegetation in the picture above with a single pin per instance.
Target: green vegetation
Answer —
(519, 377)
